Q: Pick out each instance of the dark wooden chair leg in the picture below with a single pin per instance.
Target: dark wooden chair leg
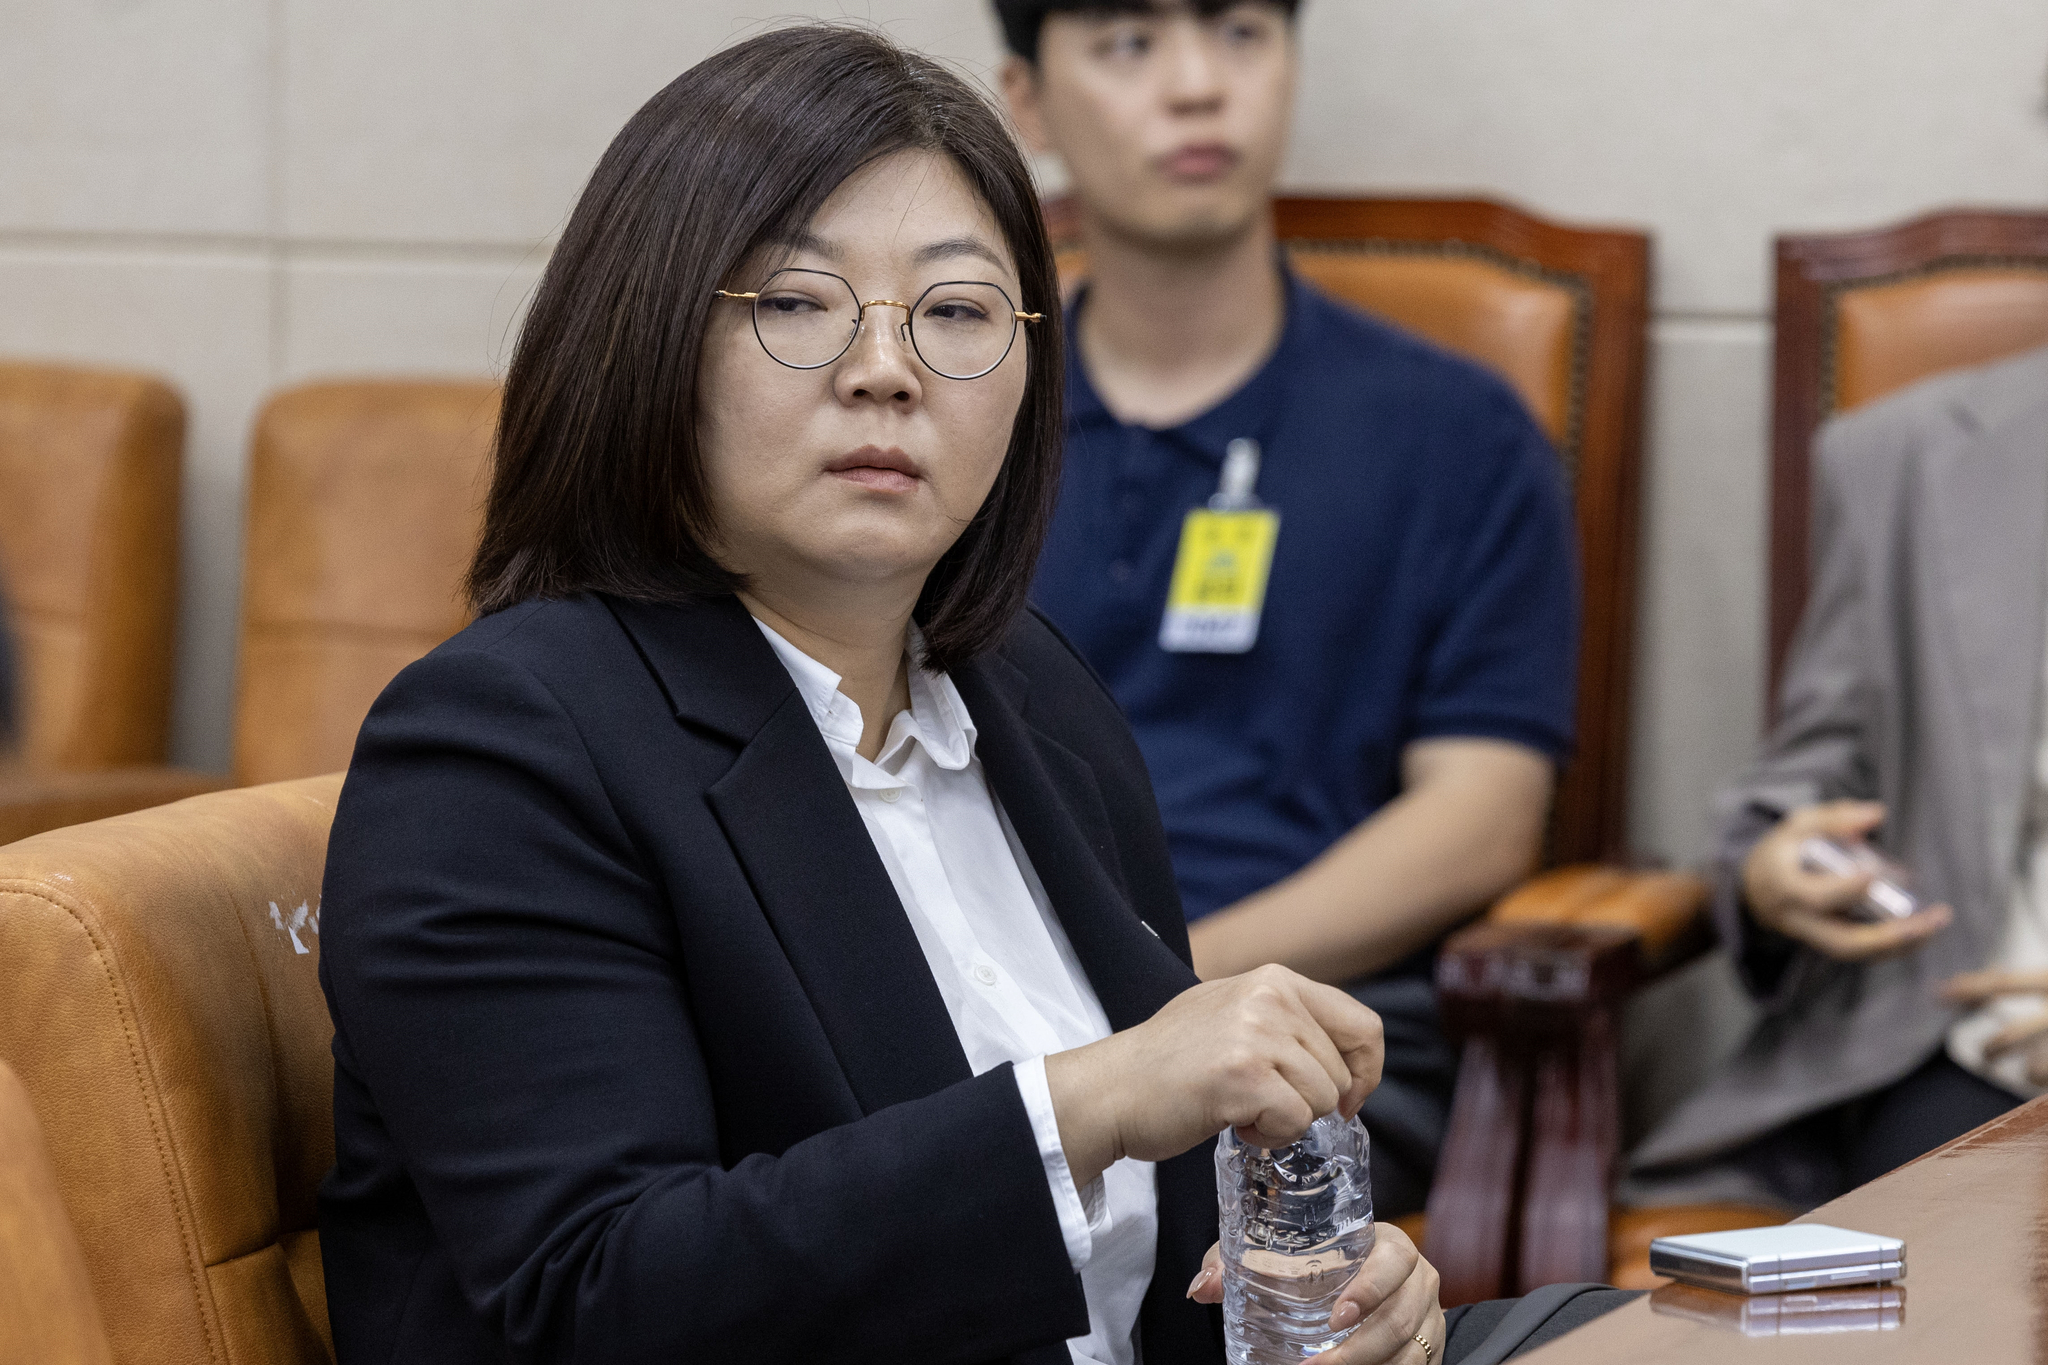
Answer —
(1520, 1197)
(1576, 1117)
(1472, 1203)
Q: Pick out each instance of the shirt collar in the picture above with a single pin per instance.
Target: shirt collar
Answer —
(1253, 410)
(937, 720)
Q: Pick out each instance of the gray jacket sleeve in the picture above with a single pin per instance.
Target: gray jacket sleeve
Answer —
(1819, 749)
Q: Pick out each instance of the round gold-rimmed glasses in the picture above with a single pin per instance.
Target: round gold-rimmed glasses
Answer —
(960, 329)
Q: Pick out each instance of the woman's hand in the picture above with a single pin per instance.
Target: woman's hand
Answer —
(1267, 1053)
(2028, 1035)
(1392, 1298)
(1808, 906)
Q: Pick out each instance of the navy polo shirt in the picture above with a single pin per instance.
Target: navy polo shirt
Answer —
(1424, 584)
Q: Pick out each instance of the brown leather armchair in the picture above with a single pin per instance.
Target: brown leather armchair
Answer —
(162, 1010)
(47, 1313)
(1533, 990)
(89, 475)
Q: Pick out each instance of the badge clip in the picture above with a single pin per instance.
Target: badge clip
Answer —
(1218, 590)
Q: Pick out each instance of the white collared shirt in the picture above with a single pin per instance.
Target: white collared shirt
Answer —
(1009, 977)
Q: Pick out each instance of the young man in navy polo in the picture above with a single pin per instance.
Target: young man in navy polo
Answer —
(1326, 567)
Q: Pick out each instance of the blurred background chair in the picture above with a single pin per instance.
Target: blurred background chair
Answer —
(89, 479)
(1534, 990)
(364, 505)
(47, 1313)
(365, 501)
(162, 1011)
(1863, 314)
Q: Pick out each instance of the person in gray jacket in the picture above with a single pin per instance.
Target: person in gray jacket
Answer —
(1910, 715)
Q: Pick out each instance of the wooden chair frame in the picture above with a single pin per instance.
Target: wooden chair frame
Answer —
(1813, 273)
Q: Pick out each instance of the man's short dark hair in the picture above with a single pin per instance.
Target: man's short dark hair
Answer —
(597, 484)
(1022, 19)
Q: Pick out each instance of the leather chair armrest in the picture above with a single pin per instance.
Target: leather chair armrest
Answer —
(33, 801)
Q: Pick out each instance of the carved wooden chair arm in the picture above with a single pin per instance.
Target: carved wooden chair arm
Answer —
(1533, 991)
(1667, 910)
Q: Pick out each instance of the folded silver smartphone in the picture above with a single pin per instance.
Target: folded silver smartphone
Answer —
(1889, 896)
(1794, 1256)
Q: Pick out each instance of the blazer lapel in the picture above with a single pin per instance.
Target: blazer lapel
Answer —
(1990, 495)
(806, 852)
(1056, 807)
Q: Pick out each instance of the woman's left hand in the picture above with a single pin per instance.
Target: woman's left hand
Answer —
(1392, 1298)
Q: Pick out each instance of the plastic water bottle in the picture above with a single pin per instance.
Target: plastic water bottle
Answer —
(1296, 1223)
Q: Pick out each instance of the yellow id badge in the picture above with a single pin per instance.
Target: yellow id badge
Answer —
(1219, 581)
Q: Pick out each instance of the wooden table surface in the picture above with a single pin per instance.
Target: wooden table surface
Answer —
(1974, 1216)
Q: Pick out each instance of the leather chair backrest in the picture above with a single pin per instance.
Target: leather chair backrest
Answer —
(364, 507)
(1560, 313)
(1864, 314)
(47, 1314)
(89, 470)
(1894, 333)
(1520, 325)
(162, 1008)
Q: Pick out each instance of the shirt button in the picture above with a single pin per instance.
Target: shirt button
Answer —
(985, 974)
(1120, 571)
(890, 794)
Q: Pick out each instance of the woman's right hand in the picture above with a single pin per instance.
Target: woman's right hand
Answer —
(1811, 907)
(1266, 1052)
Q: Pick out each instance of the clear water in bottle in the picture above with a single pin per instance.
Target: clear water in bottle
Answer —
(1296, 1223)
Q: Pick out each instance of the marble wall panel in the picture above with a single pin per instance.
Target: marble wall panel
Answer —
(134, 116)
(1700, 598)
(346, 315)
(1714, 122)
(479, 120)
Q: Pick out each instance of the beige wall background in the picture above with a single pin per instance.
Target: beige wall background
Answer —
(241, 194)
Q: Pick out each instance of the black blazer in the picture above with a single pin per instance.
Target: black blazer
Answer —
(636, 1054)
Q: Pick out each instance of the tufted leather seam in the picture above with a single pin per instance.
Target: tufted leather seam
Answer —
(137, 1056)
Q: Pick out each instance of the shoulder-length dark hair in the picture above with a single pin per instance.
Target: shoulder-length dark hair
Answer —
(596, 481)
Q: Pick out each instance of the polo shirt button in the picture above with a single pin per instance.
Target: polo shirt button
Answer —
(985, 974)
(890, 794)
(1120, 571)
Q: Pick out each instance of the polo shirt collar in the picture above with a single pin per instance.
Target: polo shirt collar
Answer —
(1254, 410)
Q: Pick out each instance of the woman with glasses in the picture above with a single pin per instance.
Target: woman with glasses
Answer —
(753, 938)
